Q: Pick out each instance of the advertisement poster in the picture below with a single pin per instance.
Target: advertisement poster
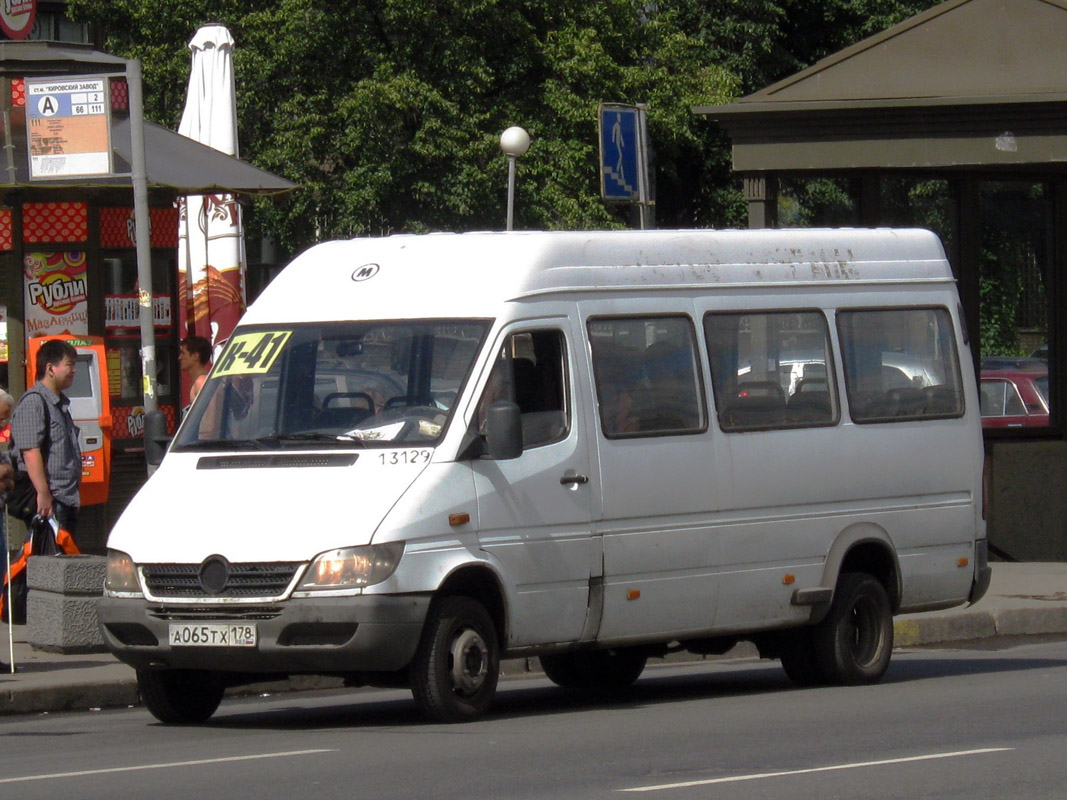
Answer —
(17, 16)
(56, 294)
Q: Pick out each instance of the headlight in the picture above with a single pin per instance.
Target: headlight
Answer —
(121, 574)
(353, 567)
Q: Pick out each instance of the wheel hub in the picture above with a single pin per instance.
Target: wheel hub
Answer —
(470, 661)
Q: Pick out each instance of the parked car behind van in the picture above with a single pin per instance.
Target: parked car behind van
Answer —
(1014, 398)
(418, 455)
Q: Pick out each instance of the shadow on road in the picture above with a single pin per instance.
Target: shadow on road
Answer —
(534, 696)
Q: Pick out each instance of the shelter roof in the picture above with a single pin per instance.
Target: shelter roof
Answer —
(31, 58)
(173, 161)
(966, 83)
(961, 51)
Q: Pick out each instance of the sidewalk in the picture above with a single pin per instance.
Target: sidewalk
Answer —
(1023, 599)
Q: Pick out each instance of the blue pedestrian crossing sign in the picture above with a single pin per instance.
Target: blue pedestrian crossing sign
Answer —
(621, 153)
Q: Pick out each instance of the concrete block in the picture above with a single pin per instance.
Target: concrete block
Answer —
(61, 604)
(67, 574)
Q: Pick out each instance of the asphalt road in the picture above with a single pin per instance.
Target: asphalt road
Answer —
(969, 723)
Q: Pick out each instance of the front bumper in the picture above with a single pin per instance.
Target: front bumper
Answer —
(368, 633)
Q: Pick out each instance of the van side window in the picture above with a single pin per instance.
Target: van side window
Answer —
(531, 371)
(647, 380)
(900, 364)
(771, 370)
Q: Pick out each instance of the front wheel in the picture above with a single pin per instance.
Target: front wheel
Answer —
(457, 665)
(855, 640)
(180, 696)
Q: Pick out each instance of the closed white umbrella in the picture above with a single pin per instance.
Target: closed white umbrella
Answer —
(211, 257)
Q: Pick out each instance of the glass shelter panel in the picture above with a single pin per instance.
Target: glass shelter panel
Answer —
(1014, 271)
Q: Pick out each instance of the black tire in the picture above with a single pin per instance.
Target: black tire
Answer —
(457, 665)
(854, 642)
(180, 696)
(560, 668)
(610, 670)
(798, 658)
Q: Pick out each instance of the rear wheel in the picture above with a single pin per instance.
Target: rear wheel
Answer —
(595, 669)
(854, 642)
(180, 696)
(456, 668)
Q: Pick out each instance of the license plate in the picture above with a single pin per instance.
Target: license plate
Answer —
(212, 634)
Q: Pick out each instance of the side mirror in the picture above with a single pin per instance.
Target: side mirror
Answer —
(155, 437)
(503, 431)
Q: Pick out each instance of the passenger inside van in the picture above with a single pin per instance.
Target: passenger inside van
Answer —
(669, 374)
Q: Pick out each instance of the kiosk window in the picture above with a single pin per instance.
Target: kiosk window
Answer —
(83, 379)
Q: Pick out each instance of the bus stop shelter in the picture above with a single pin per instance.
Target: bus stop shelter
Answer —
(954, 120)
(81, 229)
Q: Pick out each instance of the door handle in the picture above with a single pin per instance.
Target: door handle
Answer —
(571, 478)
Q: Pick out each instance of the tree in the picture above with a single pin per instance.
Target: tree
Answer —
(388, 114)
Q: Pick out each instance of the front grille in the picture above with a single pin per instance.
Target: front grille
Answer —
(213, 613)
(245, 580)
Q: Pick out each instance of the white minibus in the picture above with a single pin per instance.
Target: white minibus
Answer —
(418, 455)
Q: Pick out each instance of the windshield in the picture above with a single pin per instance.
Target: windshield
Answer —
(340, 384)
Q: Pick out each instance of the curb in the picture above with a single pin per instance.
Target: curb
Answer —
(971, 625)
(78, 697)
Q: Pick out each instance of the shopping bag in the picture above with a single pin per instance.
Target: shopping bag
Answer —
(45, 538)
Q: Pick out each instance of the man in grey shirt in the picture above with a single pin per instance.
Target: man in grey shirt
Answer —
(46, 438)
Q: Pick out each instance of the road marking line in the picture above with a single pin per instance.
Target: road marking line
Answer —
(857, 765)
(168, 765)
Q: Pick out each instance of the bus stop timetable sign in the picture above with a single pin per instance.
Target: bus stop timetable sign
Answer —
(67, 127)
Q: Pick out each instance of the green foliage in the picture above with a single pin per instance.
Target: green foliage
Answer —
(388, 113)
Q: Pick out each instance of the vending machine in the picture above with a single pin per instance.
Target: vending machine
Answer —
(90, 406)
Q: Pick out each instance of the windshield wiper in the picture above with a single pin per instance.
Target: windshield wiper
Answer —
(306, 437)
(221, 444)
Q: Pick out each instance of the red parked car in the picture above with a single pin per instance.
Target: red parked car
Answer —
(1014, 398)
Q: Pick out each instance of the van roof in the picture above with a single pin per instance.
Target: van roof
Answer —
(471, 274)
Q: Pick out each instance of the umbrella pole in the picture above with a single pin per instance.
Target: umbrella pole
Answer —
(10, 611)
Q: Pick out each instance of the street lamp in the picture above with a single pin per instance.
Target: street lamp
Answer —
(514, 142)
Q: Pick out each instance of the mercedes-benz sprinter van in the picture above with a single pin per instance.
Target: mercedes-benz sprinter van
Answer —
(418, 455)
